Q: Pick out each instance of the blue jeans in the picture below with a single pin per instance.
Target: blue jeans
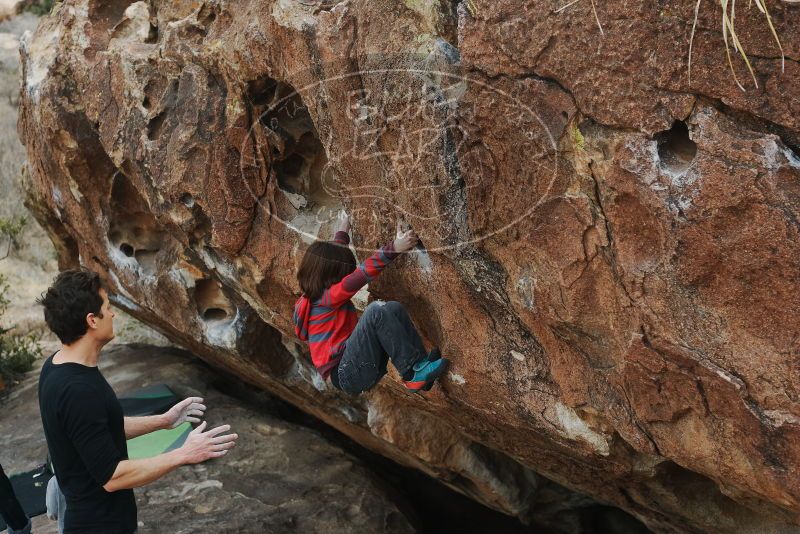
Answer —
(383, 332)
(56, 503)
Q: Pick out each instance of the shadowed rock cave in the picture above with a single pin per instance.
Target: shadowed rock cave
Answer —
(132, 228)
(297, 155)
(227, 319)
(262, 345)
(722, 513)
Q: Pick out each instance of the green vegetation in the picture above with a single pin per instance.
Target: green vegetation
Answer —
(11, 229)
(473, 10)
(39, 7)
(577, 138)
(17, 352)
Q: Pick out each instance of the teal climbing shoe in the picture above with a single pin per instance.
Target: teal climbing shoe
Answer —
(425, 373)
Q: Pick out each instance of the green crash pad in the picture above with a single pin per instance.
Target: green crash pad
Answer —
(158, 442)
(151, 400)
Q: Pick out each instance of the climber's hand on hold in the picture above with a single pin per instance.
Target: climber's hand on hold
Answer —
(343, 222)
(404, 240)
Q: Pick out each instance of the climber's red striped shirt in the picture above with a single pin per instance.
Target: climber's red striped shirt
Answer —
(327, 323)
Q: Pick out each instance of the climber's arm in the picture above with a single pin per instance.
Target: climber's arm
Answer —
(361, 276)
(342, 238)
(370, 268)
(341, 234)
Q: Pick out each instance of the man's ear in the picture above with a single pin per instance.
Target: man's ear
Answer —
(91, 320)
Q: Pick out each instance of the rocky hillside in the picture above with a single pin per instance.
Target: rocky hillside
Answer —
(611, 254)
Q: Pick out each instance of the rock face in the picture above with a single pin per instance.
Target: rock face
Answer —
(252, 490)
(611, 254)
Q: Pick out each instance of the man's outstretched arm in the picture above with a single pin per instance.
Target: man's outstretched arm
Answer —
(191, 410)
(199, 447)
(139, 426)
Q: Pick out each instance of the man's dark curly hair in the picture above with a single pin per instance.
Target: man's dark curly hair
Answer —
(73, 295)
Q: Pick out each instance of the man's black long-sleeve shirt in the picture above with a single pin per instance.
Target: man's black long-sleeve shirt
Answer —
(85, 431)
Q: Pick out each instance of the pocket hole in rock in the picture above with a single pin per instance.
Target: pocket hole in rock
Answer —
(215, 314)
(202, 228)
(105, 14)
(288, 172)
(206, 16)
(187, 200)
(676, 151)
(166, 95)
(212, 304)
(152, 36)
(260, 92)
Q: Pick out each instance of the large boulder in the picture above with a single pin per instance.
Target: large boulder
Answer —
(611, 254)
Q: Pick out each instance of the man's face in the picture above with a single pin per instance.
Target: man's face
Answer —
(102, 324)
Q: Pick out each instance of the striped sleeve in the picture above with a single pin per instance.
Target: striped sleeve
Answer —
(299, 327)
(364, 273)
(342, 238)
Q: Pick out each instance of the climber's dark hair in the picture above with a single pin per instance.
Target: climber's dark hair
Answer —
(73, 295)
(324, 264)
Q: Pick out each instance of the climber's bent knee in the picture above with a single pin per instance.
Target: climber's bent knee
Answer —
(394, 307)
(373, 311)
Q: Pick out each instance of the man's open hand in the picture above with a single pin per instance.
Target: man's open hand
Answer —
(201, 446)
(188, 410)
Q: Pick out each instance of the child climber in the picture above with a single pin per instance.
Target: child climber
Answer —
(353, 352)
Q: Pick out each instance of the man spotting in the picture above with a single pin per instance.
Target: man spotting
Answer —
(83, 422)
